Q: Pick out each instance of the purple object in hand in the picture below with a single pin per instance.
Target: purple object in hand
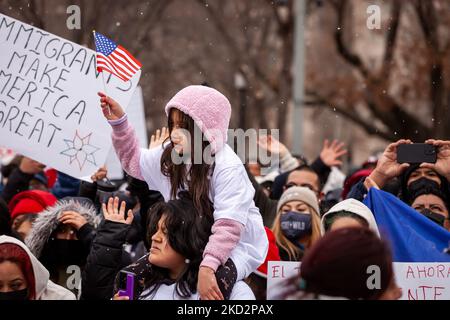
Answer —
(129, 290)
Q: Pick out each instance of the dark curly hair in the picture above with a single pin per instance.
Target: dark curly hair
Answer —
(188, 233)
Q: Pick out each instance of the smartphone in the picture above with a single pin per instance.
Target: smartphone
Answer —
(127, 285)
(416, 153)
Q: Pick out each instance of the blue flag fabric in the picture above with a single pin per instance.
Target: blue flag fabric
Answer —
(412, 236)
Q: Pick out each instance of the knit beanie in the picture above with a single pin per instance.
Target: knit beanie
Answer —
(210, 110)
(299, 194)
(33, 201)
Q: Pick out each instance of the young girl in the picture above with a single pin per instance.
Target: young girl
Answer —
(235, 248)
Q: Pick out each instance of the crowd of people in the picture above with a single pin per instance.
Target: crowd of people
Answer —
(206, 230)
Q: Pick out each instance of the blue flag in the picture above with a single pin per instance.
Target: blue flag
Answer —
(412, 236)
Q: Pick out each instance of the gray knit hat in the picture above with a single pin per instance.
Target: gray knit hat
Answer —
(299, 194)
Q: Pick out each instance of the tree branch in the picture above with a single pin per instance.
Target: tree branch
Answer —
(353, 116)
(391, 38)
(350, 57)
(428, 20)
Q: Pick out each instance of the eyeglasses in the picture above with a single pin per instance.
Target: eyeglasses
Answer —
(305, 185)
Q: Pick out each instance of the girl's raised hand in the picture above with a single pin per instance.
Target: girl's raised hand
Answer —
(159, 137)
(111, 109)
(112, 212)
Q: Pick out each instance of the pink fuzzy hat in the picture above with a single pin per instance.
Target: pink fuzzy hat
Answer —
(210, 110)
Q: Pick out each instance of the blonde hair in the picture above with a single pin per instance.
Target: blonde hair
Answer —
(292, 250)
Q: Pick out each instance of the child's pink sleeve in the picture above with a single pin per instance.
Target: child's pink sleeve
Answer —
(226, 234)
(127, 148)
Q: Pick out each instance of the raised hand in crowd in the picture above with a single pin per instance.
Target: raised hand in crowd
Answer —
(159, 137)
(72, 218)
(30, 166)
(272, 145)
(369, 183)
(331, 153)
(112, 212)
(100, 174)
(442, 165)
(387, 167)
(111, 109)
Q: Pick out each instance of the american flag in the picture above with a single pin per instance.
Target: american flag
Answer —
(114, 58)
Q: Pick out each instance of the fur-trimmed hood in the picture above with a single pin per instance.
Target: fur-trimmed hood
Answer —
(47, 221)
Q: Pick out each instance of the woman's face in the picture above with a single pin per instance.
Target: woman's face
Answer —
(345, 222)
(22, 227)
(297, 206)
(433, 203)
(179, 136)
(162, 254)
(430, 174)
(65, 232)
(11, 277)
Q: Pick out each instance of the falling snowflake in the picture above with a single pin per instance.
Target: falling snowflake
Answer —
(80, 150)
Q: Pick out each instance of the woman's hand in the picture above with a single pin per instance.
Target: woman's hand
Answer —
(272, 145)
(117, 297)
(100, 174)
(387, 166)
(113, 213)
(442, 165)
(369, 183)
(30, 166)
(207, 285)
(111, 109)
(73, 219)
(331, 153)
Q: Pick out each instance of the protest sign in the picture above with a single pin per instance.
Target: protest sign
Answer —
(423, 281)
(136, 117)
(418, 281)
(277, 273)
(49, 108)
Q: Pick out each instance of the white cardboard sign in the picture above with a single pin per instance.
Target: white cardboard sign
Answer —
(49, 108)
(418, 281)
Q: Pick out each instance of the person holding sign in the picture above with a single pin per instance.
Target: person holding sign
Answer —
(211, 172)
(297, 224)
(349, 263)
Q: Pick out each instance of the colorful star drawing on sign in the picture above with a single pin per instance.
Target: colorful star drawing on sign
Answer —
(79, 149)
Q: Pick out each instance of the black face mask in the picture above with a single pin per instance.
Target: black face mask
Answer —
(422, 186)
(18, 295)
(435, 217)
(59, 252)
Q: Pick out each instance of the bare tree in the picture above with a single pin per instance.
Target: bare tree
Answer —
(390, 117)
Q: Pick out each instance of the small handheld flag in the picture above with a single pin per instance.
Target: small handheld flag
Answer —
(114, 58)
